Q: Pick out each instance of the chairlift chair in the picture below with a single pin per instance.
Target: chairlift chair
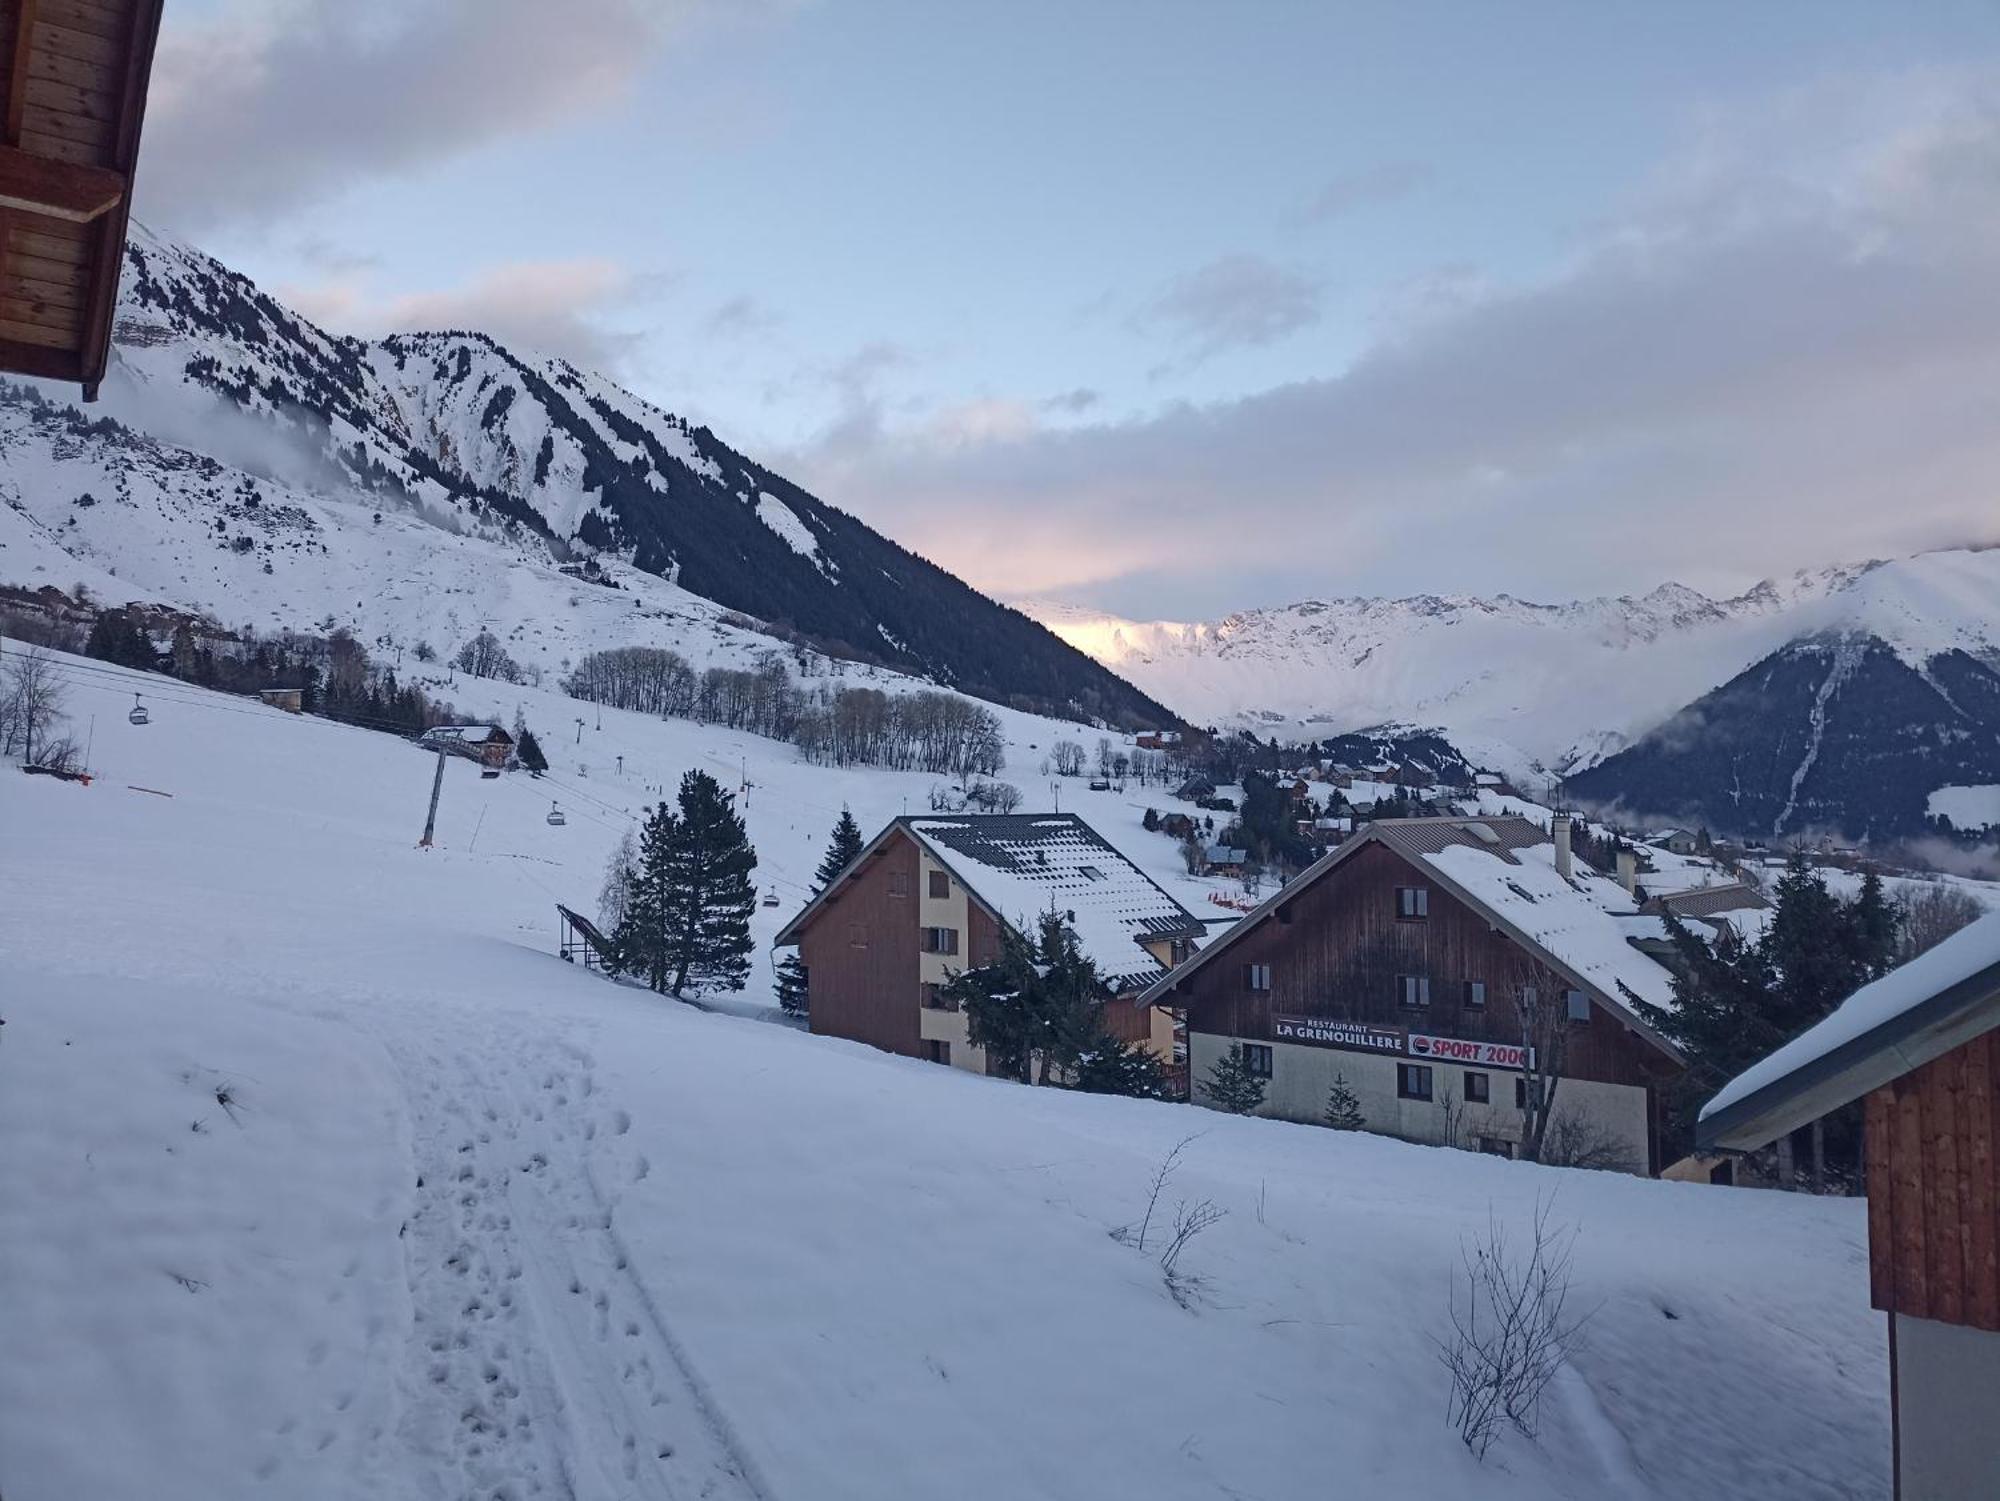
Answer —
(140, 713)
(556, 815)
(770, 898)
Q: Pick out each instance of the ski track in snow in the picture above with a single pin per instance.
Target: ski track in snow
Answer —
(538, 1366)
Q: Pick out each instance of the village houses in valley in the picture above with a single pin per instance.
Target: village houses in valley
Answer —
(1921, 1047)
(930, 897)
(1465, 978)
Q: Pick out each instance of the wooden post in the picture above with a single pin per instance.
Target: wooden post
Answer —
(431, 818)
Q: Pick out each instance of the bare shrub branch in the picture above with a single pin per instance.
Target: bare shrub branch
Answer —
(1511, 1330)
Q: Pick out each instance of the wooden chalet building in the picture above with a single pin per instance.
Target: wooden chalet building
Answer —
(929, 897)
(487, 744)
(1398, 962)
(1921, 1048)
(73, 80)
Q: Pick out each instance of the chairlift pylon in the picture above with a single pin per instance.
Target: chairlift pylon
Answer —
(140, 713)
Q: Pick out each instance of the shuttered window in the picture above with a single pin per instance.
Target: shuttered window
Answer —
(1413, 990)
(1413, 902)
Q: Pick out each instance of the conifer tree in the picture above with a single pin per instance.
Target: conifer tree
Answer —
(641, 935)
(529, 749)
(793, 997)
(1034, 1009)
(840, 853)
(708, 861)
(1110, 1065)
(1231, 1085)
(1343, 1106)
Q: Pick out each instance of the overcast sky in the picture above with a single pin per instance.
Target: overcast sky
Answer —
(1175, 308)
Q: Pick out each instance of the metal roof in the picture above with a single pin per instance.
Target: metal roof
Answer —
(1708, 901)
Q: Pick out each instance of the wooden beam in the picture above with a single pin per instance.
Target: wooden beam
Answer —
(72, 193)
(15, 45)
(40, 360)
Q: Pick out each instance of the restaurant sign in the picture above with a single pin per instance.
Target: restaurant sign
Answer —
(1321, 1032)
(1360, 1037)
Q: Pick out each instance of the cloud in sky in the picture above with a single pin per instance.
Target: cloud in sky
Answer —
(266, 107)
(1233, 302)
(1787, 350)
(556, 307)
(1350, 192)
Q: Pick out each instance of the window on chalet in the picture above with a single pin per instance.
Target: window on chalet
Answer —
(1478, 1088)
(1520, 1094)
(1413, 1081)
(1475, 994)
(1256, 977)
(899, 883)
(1178, 951)
(1090, 872)
(1578, 1004)
(857, 935)
(1413, 990)
(1257, 1059)
(937, 1052)
(1413, 902)
(1496, 1146)
(940, 940)
(940, 885)
(936, 1000)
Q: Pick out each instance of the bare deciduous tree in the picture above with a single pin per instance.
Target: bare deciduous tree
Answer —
(31, 706)
(1930, 916)
(1577, 1140)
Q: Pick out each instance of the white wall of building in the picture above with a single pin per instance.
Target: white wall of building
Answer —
(1302, 1076)
(1947, 1381)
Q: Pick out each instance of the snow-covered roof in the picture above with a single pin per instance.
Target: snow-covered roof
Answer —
(1506, 867)
(1225, 854)
(467, 734)
(1020, 865)
(1915, 1013)
(1574, 921)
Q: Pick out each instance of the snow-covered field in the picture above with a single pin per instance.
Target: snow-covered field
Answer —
(323, 1177)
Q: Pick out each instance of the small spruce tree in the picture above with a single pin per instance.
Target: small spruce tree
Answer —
(792, 994)
(529, 749)
(1111, 1065)
(641, 935)
(1231, 1085)
(1343, 1106)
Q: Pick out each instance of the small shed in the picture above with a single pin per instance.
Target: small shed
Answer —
(291, 700)
(1921, 1047)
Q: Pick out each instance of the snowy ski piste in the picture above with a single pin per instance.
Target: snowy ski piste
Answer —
(323, 1177)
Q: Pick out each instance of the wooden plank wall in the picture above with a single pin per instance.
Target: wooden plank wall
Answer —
(868, 990)
(1343, 947)
(1934, 1189)
(61, 96)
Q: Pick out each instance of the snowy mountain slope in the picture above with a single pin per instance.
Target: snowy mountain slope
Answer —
(1527, 685)
(529, 454)
(474, 1222)
(1837, 733)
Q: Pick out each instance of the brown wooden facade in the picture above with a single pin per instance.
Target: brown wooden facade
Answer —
(862, 951)
(1934, 1189)
(73, 79)
(1339, 949)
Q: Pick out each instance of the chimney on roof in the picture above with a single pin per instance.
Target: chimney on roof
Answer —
(1560, 827)
(1628, 871)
